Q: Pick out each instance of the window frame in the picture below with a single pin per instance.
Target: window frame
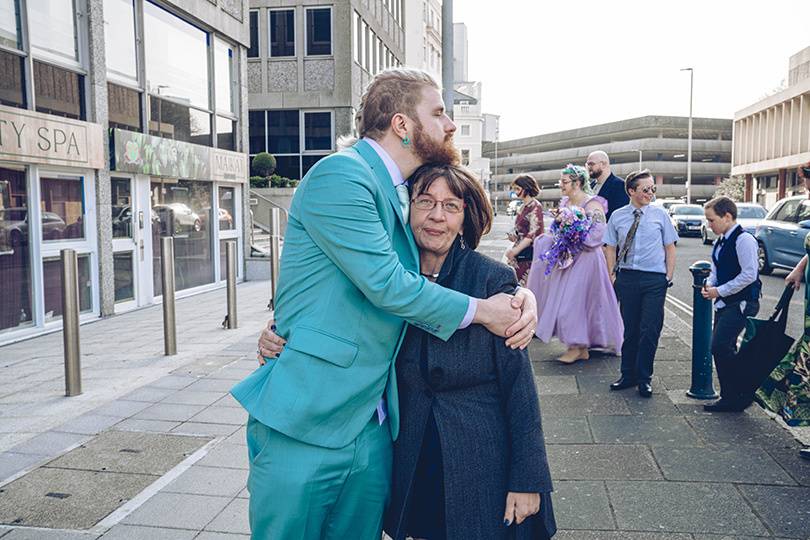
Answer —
(302, 123)
(270, 54)
(255, 12)
(331, 53)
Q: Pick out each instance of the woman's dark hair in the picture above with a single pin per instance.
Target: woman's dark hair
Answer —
(464, 185)
(528, 184)
(631, 182)
(722, 206)
(804, 170)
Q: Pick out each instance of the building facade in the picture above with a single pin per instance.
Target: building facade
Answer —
(307, 68)
(423, 36)
(658, 143)
(772, 138)
(121, 122)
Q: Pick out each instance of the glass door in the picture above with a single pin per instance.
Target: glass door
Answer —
(132, 220)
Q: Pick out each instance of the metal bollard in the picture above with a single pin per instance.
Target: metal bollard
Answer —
(275, 249)
(70, 322)
(702, 387)
(230, 262)
(167, 279)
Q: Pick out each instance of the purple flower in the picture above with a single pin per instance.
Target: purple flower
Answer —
(569, 232)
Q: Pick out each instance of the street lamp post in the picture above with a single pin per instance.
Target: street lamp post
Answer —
(689, 138)
(639, 159)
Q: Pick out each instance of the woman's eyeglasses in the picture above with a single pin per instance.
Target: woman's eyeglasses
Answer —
(451, 206)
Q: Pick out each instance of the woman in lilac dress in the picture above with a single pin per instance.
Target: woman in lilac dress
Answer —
(577, 303)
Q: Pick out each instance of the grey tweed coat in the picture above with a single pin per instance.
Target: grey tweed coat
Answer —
(485, 404)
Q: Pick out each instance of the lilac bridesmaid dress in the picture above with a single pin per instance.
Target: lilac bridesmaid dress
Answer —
(577, 304)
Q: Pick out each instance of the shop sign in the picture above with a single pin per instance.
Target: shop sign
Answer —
(157, 156)
(32, 137)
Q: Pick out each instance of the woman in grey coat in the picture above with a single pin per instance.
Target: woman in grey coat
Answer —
(470, 460)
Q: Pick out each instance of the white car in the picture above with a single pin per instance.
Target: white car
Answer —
(749, 215)
(666, 204)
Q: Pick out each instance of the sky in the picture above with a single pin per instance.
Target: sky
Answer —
(552, 65)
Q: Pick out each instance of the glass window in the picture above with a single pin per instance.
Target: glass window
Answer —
(15, 255)
(124, 107)
(124, 276)
(224, 77)
(52, 27)
(308, 161)
(253, 50)
(288, 166)
(257, 131)
(183, 209)
(183, 74)
(119, 38)
(356, 43)
(804, 211)
(788, 211)
(226, 133)
(121, 207)
(317, 131)
(62, 202)
(58, 91)
(12, 84)
(10, 25)
(52, 280)
(283, 132)
(178, 121)
(282, 32)
(227, 209)
(465, 129)
(465, 157)
(319, 31)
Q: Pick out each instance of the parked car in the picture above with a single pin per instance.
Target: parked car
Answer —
(781, 234)
(14, 227)
(686, 218)
(749, 215)
(184, 219)
(666, 204)
(514, 207)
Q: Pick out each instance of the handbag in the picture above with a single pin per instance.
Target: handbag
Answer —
(526, 255)
(764, 345)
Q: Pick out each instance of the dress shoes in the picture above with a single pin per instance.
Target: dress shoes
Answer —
(644, 389)
(805, 453)
(724, 405)
(622, 383)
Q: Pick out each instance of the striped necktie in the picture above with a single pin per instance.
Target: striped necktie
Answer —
(631, 234)
(404, 200)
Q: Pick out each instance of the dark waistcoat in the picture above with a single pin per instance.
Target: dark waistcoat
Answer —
(728, 267)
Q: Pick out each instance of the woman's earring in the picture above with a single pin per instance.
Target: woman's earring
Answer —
(463, 245)
(406, 141)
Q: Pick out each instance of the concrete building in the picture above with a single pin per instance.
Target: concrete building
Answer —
(491, 127)
(423, 36)
(121, 122)
(467, 112)
(307, 68)
(772, 138)
(655, 142)
(460, 52)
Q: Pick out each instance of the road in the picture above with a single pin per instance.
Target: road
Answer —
(689, 250)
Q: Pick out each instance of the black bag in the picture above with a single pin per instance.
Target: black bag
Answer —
(764, 345)
(526, 255)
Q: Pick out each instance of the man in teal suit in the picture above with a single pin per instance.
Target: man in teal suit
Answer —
(323, 415)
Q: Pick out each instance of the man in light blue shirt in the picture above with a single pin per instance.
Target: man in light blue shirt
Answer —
(734, 286)
(640, 251)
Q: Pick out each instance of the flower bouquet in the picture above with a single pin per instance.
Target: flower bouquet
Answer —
(569, 230)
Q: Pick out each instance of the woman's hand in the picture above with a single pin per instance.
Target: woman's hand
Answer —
(511, 236)
(270, 343)
(794, 278)
(510, 255)
(519, 506)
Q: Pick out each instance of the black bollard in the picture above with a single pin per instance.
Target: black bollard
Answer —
(702, 387)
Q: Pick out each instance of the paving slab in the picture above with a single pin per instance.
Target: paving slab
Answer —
(65, 498)
(89, 424)
(50, 443)
(227, 456)
(178, 510)
(637, 429)
(222, 415)
(582, 505)
(583, 405)
(658, 405)
(618, 535)
(47, 534)
(190, 397)
(137, 424)
(148, 393)
(565, 430)
(131, 452)
(797, 467)
(198, 428)
(738, 464)
(601, 462)
(233, 519)
(786, 510)
(212, 385)
(11, 463)
(208, 535)
(137, 532)
(209, 481)
(169, 412)
(740, 429)
(556, 384)
(688, 507)
(174, 381)
(595, 384)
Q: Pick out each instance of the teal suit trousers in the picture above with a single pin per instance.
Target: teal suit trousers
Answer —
(299, 491)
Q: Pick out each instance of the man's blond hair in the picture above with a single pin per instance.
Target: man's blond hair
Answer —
(392, 91)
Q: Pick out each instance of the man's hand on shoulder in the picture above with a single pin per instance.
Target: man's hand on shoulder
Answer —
(270, 343)
(512, 317)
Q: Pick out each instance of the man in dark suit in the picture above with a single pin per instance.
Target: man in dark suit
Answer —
(606, 184)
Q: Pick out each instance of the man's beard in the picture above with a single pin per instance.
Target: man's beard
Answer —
(431, 151)
(595, 173)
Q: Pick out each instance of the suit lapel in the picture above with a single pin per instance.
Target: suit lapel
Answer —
(387, 184)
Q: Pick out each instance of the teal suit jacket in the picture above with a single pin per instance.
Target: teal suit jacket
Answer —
(349, 280)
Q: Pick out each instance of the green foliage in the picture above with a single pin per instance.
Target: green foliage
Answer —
(259, 182)
(282, 181)
(733, 188)
(264, 164)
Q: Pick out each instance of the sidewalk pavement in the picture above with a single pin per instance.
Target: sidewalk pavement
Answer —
(155, 448)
